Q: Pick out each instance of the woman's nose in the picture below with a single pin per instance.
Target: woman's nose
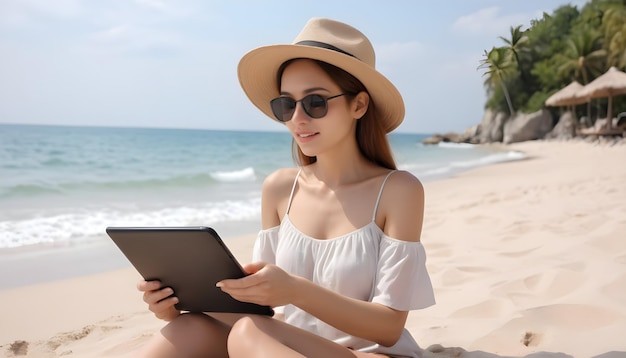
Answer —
(299, 114)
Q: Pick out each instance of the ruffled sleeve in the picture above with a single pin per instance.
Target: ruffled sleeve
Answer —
(403, 282)
(265, 246)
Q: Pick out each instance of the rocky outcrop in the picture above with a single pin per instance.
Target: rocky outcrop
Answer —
(523, 127)
(498, 127)
(491, 127)
(565, 128)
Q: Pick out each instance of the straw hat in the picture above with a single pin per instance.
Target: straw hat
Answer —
(329, 41)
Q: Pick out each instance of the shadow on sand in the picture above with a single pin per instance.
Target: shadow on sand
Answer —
(438, 351)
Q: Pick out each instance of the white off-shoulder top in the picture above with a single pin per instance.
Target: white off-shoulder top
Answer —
(364, 264)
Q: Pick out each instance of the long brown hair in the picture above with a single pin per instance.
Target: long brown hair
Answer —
(370, 135)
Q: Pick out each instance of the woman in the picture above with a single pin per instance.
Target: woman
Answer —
(339, 251)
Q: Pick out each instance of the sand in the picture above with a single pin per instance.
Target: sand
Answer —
(527, 258)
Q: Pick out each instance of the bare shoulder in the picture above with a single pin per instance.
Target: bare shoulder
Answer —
(402, 183)
(404, 193)
(279, 181)
(275, 195)
(402, 205)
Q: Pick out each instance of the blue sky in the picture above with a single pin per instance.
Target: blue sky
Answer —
(159, 63)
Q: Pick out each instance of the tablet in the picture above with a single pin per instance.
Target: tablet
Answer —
(190, 260)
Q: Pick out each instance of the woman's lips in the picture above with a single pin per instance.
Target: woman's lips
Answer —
(305, 137)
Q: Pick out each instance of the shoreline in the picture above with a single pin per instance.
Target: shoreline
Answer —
(525, 256)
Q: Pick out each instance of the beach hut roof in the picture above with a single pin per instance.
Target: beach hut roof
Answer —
(611, 83)
(567, 96)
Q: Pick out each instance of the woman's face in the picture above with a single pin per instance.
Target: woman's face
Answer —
(316, 136)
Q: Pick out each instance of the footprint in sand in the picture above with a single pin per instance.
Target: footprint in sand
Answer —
(531, 339)
(19, 348)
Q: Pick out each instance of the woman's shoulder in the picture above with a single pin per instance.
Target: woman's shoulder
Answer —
(402, 206)
(401, 181)
(403, 191)
(280, 180)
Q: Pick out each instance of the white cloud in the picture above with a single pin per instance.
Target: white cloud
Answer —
(492, 23)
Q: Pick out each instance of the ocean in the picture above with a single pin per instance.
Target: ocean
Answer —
(61, 186)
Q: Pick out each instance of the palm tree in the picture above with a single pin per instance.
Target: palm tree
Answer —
(614, 28)
(584, 57)
(499, 68)
(517, 46)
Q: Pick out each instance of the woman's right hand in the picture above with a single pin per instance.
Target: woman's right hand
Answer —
(158, 299)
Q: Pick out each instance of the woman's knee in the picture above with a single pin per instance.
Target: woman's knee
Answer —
(190, 322)
(242, 334)
(196, 332)
(244, 327)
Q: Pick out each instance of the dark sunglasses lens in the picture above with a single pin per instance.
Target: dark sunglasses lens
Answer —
(315, 105)
(283, 108)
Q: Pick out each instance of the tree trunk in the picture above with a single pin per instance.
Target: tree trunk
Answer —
(508, 98)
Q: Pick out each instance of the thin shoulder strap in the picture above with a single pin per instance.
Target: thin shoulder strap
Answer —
(293, 189)
(380, 193)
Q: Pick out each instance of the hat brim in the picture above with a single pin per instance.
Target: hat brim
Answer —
(258, 68)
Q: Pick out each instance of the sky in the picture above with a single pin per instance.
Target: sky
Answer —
(173, 64)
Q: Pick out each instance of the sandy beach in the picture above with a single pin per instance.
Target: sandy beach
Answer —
(527, 258)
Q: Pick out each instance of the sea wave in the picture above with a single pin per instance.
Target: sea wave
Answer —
(456, 145)
(491, 159)
(246, 174)
(80, 226)
(444, 169)
(108, 184)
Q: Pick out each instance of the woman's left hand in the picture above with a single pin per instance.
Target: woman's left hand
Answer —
(266, 285)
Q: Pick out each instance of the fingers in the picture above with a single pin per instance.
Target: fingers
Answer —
(144, 286)
(164, 308)
(160, 300)
(241, 283)
(254, 267)
(268, 286)
(155, 296)
(254, 294)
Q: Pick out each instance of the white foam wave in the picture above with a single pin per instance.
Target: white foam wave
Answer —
(246, 174)
(456, 166)
(81, 226)
(455, 145)
(490, 159)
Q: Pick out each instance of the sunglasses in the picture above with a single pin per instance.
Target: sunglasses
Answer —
(314, 105)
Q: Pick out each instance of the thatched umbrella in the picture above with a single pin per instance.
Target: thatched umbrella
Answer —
(611, 83)
(567, 96)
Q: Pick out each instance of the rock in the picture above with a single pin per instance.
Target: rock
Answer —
(435, 139)
(448, 137)
(525, 127)
(565, 128)
(491, 127)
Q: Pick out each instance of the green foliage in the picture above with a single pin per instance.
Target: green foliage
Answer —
(569, 44)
